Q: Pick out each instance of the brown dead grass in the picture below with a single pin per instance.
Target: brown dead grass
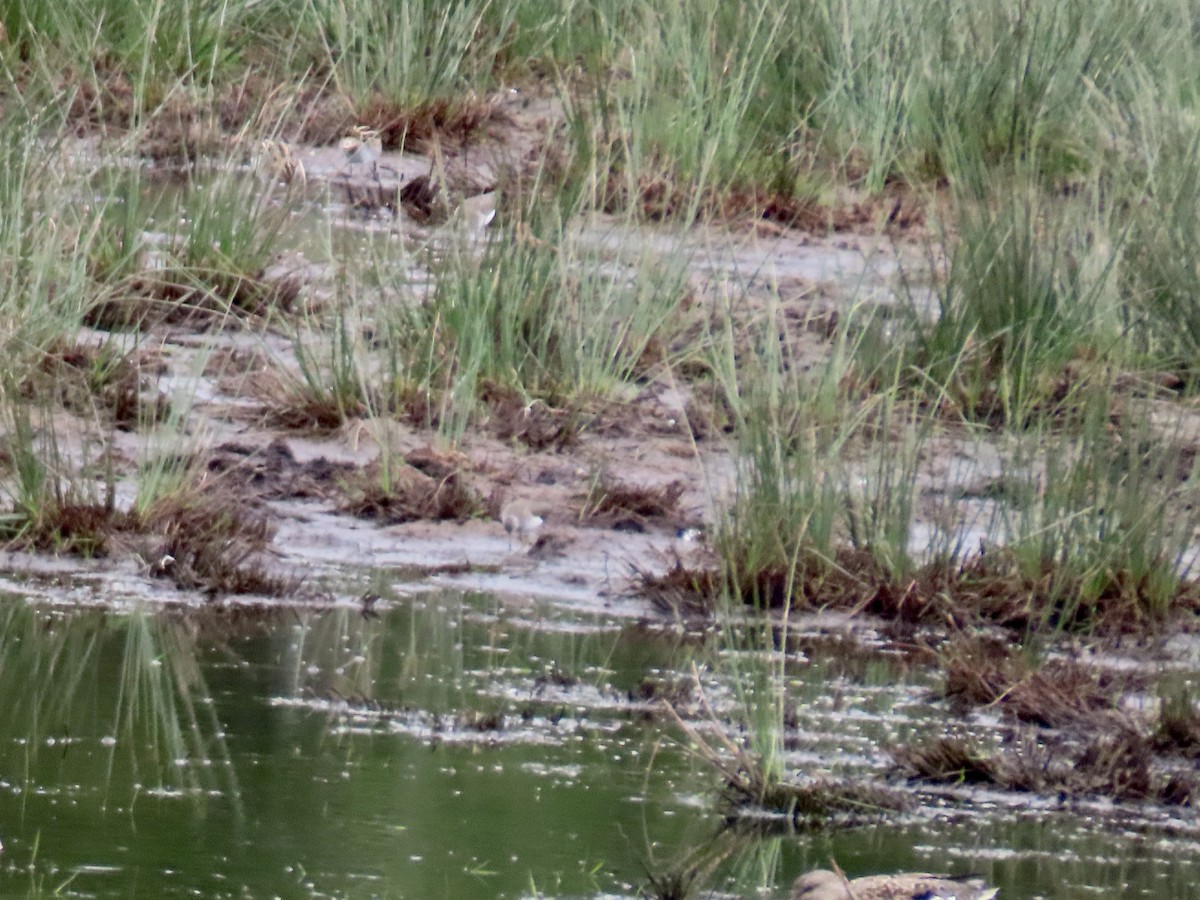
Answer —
(624, 506)
(814, 803)
(88, 529)
(305, 411)
(428, 125)
(181, 131)
(90, 380)
(203, 539)
(985, 590)
(409, 495)
(1117, 764)
(296, 405)
(213, 543)
(1060, 693)
(682, 591)
(662, 196)
(536, 424)
(951, 760)
(196, 298)
(186, 126)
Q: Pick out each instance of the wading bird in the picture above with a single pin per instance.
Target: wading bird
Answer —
(520, 517)
(362, 147)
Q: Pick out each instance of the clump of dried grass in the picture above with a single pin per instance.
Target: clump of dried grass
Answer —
(409, 495)
(1118, 764)
(1057, 694)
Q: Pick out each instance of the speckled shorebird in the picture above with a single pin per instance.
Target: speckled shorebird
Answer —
(821, 884)
(520, 517)
(363, 147)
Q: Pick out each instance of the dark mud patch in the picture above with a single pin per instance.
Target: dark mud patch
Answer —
(274, 473)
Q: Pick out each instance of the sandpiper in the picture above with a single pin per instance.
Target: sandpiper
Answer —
(362, 147)
(519, 516)
(477, 213)
(822, 884)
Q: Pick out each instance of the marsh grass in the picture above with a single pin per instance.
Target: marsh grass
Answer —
(331, 388)
(1104, 527)
(54, 502)
(44, 235)
(100, 382)
(684, 69)
(1161, 275)
(749, 762)
(545, 321)
(790, 97)
(1051, 145)
(200, 539)
(415, 69)
(209, 263)
(1177, 729)
(788, 515)
(1094, 530)
(227, 232)
(749, 766)
(1020, 320)
(149, 46)
(119, 241)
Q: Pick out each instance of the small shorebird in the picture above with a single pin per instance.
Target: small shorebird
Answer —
(477, 213)
(519, 516)
(822, 884)
(362, 147)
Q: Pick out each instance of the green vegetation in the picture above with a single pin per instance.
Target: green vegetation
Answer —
(1049, 150)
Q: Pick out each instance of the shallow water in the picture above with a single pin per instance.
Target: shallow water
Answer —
(454, 746)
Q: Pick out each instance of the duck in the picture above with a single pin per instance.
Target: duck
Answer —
(822, 884)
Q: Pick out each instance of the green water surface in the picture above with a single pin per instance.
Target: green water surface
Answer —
(448, 748)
